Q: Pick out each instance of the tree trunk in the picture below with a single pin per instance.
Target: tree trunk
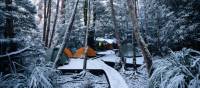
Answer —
(138, 37)
(134, 53)
(145, 21)
(60, 52)
(91, 36)
(117, 35)
(9, 33)
(86, 36)
(45, 20)
(9, 29)
(62, 11)
(158, 34)
(49, 24)
(85, 9)
(62, 6)
(54, 24)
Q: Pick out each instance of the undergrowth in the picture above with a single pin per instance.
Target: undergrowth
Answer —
(178, 70)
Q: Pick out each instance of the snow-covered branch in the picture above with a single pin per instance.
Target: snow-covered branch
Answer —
(16, 52)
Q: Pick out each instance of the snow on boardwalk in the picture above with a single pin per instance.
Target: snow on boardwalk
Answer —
(114, 77)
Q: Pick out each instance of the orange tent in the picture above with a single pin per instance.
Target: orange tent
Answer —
(80, 52)
(68, 53)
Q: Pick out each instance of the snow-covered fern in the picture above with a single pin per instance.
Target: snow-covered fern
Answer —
(179, 70)
(42, 77)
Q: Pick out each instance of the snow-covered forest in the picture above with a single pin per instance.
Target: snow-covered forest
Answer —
(99, 43)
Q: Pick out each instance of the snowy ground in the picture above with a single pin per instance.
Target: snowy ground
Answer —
(137, 80)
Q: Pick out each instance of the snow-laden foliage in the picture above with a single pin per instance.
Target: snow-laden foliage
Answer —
(13, 81)
(78, 29)
(179, 70)
(42, 77)
(33, 71)
(170, 23)
(25, 30)
(101, 20)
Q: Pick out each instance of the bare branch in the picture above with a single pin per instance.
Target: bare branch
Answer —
(14, 53)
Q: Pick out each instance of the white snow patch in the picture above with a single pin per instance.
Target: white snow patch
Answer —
(139, 60)
(110, 41)
(106, 52)
(110, 58)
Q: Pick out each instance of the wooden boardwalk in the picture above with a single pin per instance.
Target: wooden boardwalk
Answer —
(114, 77)
(113, 58)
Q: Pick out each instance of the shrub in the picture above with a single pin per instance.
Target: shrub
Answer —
(179, 70)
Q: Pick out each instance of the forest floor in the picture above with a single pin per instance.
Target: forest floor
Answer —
(137, 79)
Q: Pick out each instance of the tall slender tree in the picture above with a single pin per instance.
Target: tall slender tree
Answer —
(91, 34)
(138, 37)
(69, 27)
(48, 24)
(134, 53)
(62, 10)
(117, 35)
(54, 24)
(85, 9)
(9, 29)
(45, 20)
(86, 35)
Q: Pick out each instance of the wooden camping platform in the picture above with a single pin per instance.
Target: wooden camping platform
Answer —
(114, 77)
(113, 58)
